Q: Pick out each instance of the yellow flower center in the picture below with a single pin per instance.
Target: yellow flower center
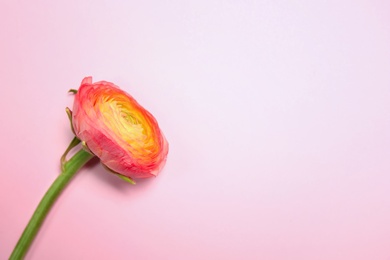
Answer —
(127, 124)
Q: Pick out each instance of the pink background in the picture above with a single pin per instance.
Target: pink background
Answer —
(277, 114)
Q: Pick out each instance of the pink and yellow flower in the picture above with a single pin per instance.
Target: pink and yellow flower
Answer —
(114, 127)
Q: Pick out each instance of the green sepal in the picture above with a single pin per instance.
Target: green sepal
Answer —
(74, 91)
(72, 144)
(85, 147)
(125, 178)
(70, 113)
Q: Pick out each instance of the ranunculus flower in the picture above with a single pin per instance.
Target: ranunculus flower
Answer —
(114, 127)
(118, 130)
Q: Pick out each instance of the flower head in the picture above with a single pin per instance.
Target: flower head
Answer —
(114, 127)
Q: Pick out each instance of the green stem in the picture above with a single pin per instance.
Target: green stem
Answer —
(71, 167)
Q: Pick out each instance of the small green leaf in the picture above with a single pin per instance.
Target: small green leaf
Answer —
(72, 144)
(126, 179)
(85, 147)
(69, 113)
